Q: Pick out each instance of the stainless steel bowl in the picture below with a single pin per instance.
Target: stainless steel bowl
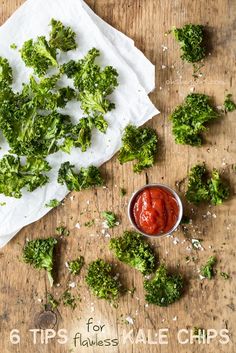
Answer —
(131, 204)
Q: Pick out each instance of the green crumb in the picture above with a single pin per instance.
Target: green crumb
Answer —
(225, 275)
(229, 104)
(110, 219)
(75, 266)
(207, 270)
(13, 46)
(63, 231)
(53, 203)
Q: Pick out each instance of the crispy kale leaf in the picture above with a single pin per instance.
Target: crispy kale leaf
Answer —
(189, 119)
(39, 254)
(203, 188)
(191, 38)
(198, 190)
(164, 288)
(75, 266)
(86, 178)
(133, 250)
(14, 176)
(138, 143)
(5, 72)
(39, 55)
(61, 37)
(218, 190)
(207, 270)
(101, 281)
(110, 219)
(93, 83)
(229, 104)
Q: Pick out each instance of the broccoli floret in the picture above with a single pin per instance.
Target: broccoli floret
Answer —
(62, 37)
(189, 119)
(39, 254)
(133, 250)
(39, 55)
(14, 176)
(164, 288)
(229, 104)
(101, 281)
(138, 143)
(191, 38)
(5, 72)
(86, 178)
(207, 270)
(110, 219)
(202, 188)
(62, 231)
(75, 266)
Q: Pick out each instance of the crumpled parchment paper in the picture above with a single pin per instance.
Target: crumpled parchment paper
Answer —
(136, 80)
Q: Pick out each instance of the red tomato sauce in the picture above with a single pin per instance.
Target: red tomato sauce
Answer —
(155, 210)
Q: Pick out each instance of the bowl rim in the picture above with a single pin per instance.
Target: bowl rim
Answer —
(177, 198)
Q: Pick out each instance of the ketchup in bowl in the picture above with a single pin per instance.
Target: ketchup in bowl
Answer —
(155, 210)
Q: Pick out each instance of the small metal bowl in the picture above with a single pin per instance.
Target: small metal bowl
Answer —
(133, 199)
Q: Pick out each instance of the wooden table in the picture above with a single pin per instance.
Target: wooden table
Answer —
(206, 303)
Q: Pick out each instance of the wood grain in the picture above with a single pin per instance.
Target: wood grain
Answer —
(207, 304)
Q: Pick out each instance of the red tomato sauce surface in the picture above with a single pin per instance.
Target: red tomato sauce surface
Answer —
(155, 210)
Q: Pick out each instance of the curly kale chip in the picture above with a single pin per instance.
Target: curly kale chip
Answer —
(85, 179)
(229, 104)
(39, 254)
(189, 119)
(218, 190)
(61, 37)
(133, 250)
(164, 289)
(14, 176)
(207, 270)
(102, 282)
(93, 83)
(201, 187)
(39, 55)
(5, 72)
(198, 190)
(191, 39)
(138, 143)
(44, 94)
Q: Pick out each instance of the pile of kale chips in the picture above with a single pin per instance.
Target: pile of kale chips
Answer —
(31, 121)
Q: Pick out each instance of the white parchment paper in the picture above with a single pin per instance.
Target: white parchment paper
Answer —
(136, 80)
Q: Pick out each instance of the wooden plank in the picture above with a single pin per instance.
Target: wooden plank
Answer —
(208, 304)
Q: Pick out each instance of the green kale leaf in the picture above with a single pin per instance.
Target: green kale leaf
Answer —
(203, 188)
(39, 55)
(39, 254)
(14, 176)
(191, 39)
(164, 289)
(102, 282)
(5, 72)
(138, 143)
(133, 250)
(189, 119)
(61, 37)
(53, 203)
(85, 179)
